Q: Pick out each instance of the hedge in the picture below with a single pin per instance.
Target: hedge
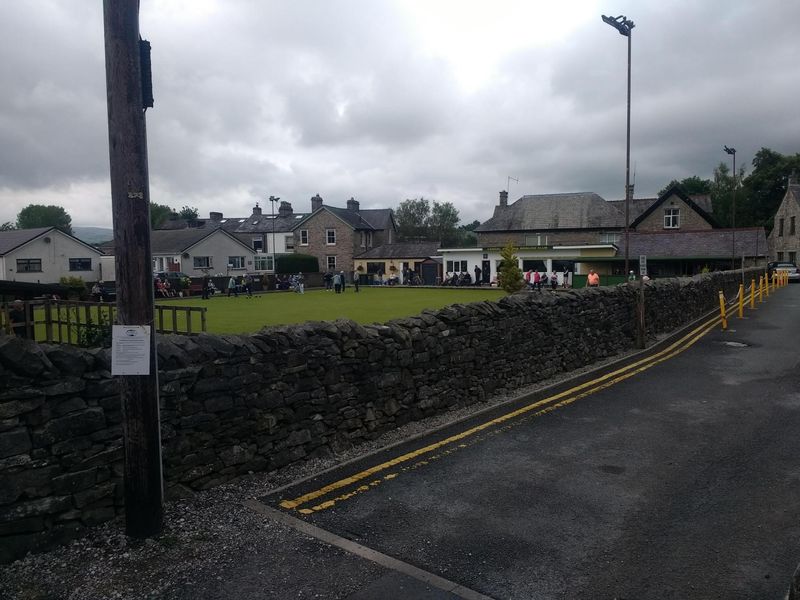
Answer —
(287, 264)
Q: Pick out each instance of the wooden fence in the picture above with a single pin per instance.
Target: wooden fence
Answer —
(89, 323)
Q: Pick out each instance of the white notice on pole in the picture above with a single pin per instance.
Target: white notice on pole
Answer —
(130, 350)
(642, 265)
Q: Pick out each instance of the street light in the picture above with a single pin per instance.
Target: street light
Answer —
(624, 26)
(273, 200)
(732, 152)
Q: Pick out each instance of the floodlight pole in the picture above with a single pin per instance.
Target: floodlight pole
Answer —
(625, 27)
(130, 201)
(732, 152)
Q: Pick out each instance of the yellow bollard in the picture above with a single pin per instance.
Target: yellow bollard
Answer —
(774, 278)
(741, 300)
(766, 285)
(722, 310)
(752, 294)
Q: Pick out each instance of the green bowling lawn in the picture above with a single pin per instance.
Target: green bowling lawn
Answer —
(370, 305)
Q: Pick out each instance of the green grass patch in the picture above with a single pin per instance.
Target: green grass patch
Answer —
(370, 305)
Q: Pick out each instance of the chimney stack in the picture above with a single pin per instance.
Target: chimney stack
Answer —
(504, 198)
(316, 203)
(353, 205)
(285, 209)
(256, 210)
(793, 177)
(215, 216)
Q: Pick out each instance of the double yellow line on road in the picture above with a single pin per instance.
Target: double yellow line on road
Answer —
(540, 407)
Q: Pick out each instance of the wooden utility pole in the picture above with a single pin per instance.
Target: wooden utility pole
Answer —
(130, 196)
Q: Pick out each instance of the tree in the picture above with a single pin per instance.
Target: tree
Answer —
(442, 221)
(188, 212)
(690, 186)
(412, 218)
(509, 275)
(7, 226)
(158, 214)
(39, 215)
(760, 193)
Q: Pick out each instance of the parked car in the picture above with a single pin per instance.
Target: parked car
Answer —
(787, 267)
(171, 275)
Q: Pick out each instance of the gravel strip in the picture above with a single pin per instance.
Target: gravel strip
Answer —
(211, 535)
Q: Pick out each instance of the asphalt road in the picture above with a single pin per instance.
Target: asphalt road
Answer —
(680, 481)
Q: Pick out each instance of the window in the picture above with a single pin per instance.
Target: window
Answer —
(793, 257)
(236, 262)
(780, 256)
(610, 238)
(258, 243)
(330, 237)
(672, 218)
(262, 262)
(331, 262)
(375, 267)
(791, 225)
(29, 265)
(456, 266)
(536, 240)
(363, 239)
(304, 237)
(80, 264)
(780, 227)
(202, 262)
(289, 243)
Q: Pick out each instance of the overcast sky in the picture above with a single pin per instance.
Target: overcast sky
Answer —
(387, 100)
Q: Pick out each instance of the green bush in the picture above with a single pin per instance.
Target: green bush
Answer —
(287, 264)
(510, 275)
(76, 287)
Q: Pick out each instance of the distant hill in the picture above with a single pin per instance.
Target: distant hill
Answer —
(93, 235)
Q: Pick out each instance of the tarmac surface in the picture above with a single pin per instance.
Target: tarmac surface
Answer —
(676, 477)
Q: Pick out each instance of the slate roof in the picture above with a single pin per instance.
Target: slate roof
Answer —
(402, 250)
(253, 224)
(676, 191)
(581, 210)
(176, 241)
(370, 219)
(707, 243)
(14, 238)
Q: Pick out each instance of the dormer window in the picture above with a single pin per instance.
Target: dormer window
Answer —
(672, 218)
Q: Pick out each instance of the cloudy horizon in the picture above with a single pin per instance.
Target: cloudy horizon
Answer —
(390, 100)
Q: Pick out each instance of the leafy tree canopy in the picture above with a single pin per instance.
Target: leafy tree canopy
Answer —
(158, 214)
(7, 226)
(423, 219)
(690, 185)
(188, 212)
(39, 215)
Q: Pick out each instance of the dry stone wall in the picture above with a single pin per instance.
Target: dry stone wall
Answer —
(235, 404)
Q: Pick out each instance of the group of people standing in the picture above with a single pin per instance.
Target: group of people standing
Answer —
(536, 280)
(338, 281)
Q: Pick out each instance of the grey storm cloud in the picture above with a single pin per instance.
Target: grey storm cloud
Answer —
(341, 98)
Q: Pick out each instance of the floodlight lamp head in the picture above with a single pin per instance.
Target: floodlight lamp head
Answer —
(730, 150)
(620, 23)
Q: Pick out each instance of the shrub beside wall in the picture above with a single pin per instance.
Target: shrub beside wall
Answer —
(233, 404)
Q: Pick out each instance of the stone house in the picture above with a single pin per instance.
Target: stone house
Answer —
(336, 235)
(45, 255)
(784, 240)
